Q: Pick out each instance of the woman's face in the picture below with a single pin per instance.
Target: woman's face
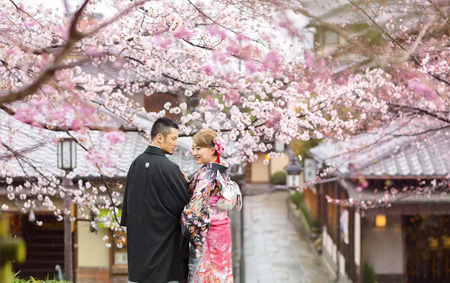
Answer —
(203, 155)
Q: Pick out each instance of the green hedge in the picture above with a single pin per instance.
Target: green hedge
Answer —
(278, 178)
(297, 199)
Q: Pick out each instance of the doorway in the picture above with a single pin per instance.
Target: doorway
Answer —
(427, 240)
(45, 246)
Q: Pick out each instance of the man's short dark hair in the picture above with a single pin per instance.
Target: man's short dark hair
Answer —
(162, 126)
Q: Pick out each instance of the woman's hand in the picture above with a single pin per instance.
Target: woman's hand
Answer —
(185, 177)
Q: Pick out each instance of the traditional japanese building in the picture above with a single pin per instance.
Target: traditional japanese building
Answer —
(394, 216)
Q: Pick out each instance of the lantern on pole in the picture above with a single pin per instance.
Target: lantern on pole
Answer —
(293, 170)
(67, 154)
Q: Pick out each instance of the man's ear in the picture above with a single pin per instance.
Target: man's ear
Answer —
(160, 138)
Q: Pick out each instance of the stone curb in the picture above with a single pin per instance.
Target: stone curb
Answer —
(297, 218)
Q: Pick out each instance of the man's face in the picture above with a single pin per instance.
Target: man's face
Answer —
(169, 143)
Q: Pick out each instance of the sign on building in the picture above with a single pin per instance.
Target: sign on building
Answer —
(310, 169)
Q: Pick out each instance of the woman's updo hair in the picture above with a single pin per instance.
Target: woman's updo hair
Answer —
(205, 138)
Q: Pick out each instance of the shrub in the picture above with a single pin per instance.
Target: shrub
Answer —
(369, 274)
(15, 279)
(278, 178)
(297, 198)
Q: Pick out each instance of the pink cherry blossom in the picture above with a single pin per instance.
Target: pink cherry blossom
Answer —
(76, 125)
(115, 137)
(85, 110)
(30, 23)
(422, 88)
(48, 90)
(208, 70)
(241, 37)
(272, 61)
(252, 67)
(232, 50)
(163, 42)
(25, 115)
(183, 34)
(214, 31)
(219, 56)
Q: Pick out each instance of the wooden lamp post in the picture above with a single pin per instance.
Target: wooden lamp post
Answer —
(67, 160)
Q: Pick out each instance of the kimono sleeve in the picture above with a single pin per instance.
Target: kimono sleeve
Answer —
(195, 217)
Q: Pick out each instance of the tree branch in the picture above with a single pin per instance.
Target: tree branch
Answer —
(414, 58)
(23, 11)
(55, 128)
(20, 156)
(74, 37)
(115, 18)
(420, 110)
(439, 10)
(422, 32)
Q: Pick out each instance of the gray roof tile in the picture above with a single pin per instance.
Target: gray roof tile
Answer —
(40, 148)
(395, 156)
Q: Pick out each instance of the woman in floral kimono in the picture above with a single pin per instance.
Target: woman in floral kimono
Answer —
(207, 225)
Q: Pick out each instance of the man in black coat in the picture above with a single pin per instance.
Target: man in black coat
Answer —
(155, 195)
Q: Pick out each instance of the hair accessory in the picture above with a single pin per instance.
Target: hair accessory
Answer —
(219, 146)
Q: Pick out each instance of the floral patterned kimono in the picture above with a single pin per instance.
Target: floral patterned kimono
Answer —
(208, 227)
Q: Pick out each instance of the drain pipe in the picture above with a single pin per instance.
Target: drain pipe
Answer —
(242, 259)
(338, 232)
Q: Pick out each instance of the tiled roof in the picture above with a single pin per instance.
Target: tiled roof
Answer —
(38, 146)
(376, 196)
(374, 155)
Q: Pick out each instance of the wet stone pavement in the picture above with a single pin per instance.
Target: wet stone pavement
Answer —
(274, 250)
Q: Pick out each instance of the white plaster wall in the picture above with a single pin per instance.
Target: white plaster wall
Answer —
(278, 163)
(92, 250)
(260, 172)
(383, 247)
(330, 247)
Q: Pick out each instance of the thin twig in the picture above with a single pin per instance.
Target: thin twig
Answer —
(414, 58)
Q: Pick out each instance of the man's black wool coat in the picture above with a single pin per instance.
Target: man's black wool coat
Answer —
(155, 195)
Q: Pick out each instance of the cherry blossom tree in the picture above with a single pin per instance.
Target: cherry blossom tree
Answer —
(226, 64)
(70, 73)
(406, 42)
(403, 47)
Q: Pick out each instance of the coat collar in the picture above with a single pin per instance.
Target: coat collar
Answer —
(154, 150)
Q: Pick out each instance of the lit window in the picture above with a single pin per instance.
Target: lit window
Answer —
(380, 220)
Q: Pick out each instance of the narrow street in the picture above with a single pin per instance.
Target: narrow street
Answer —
(274, 250)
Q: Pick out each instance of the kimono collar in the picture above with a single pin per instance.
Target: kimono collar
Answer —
(216, 166)
(154, 150)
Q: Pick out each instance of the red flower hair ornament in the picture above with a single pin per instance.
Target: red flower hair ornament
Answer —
(219, 146)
